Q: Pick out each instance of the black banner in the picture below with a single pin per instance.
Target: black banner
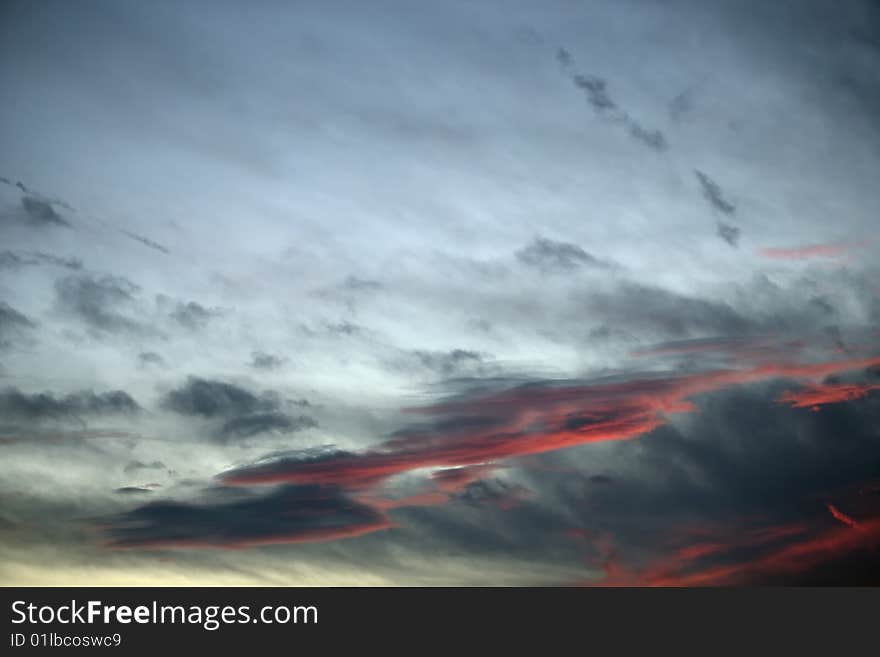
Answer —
(136, 619)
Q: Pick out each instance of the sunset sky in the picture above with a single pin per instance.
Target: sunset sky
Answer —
(496, 292)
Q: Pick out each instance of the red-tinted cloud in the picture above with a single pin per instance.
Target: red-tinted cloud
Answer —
(789, 559)
(842, 517)
(806, 252)
(527, 420)
(751, 556)
(830, 393)
(337, 494)
(444, 484)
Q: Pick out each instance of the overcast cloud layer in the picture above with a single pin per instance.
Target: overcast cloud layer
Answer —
(440, 293)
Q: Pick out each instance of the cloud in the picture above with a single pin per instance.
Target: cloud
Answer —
(19, 405)
(136, 466)
(550, 256)
(13, 325)
(345, 328)
(100, 302)
(530, 419)
(787, 560)
(361, 284)
(146, 241)
(842, 517)
(739, 347)
(34, 194)
(133, 490)
(49, 259)
(806, 252)
(13, 260)
(411, 303)
(209, 399)
(41, 212)
(651, 137)
(694, 506)
(829, 393)
(729, 233)
(289, 514)
(251, 425)
(596, 91)
(712, 193)
(564, 58)
(456, 362)
(148, 358)
(12, 434)
(262, 361)
(682, 104)
(496, 492)
(445, 485)
(645, 307)
(244, 414)
(192, 315)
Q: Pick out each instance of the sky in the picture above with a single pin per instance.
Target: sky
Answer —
(570, 292)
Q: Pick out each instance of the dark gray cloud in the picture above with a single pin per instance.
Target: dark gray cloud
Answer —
(683, 103)
(41, 212)
(263, 361)
(550, 256)
(344, 328)
(491, 491)
(136, 466)
(209, 399)
(704, 482)
(192, 315)
(440, 365)
(100, 302)
(687, 457)
(17, 260)
(644, 307)
(133, 490)
(712, 193)
(13, 325)
(251, 425)
(49, 259)
(35, 194)
(596, 92)
(12, 260)
(289, 514)
(244, 413)
(564, 58)
(146, 241)
(150, 358)
(651, 137)
(361, 284)
(729, 233)
(18, 405)
(449, 363)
